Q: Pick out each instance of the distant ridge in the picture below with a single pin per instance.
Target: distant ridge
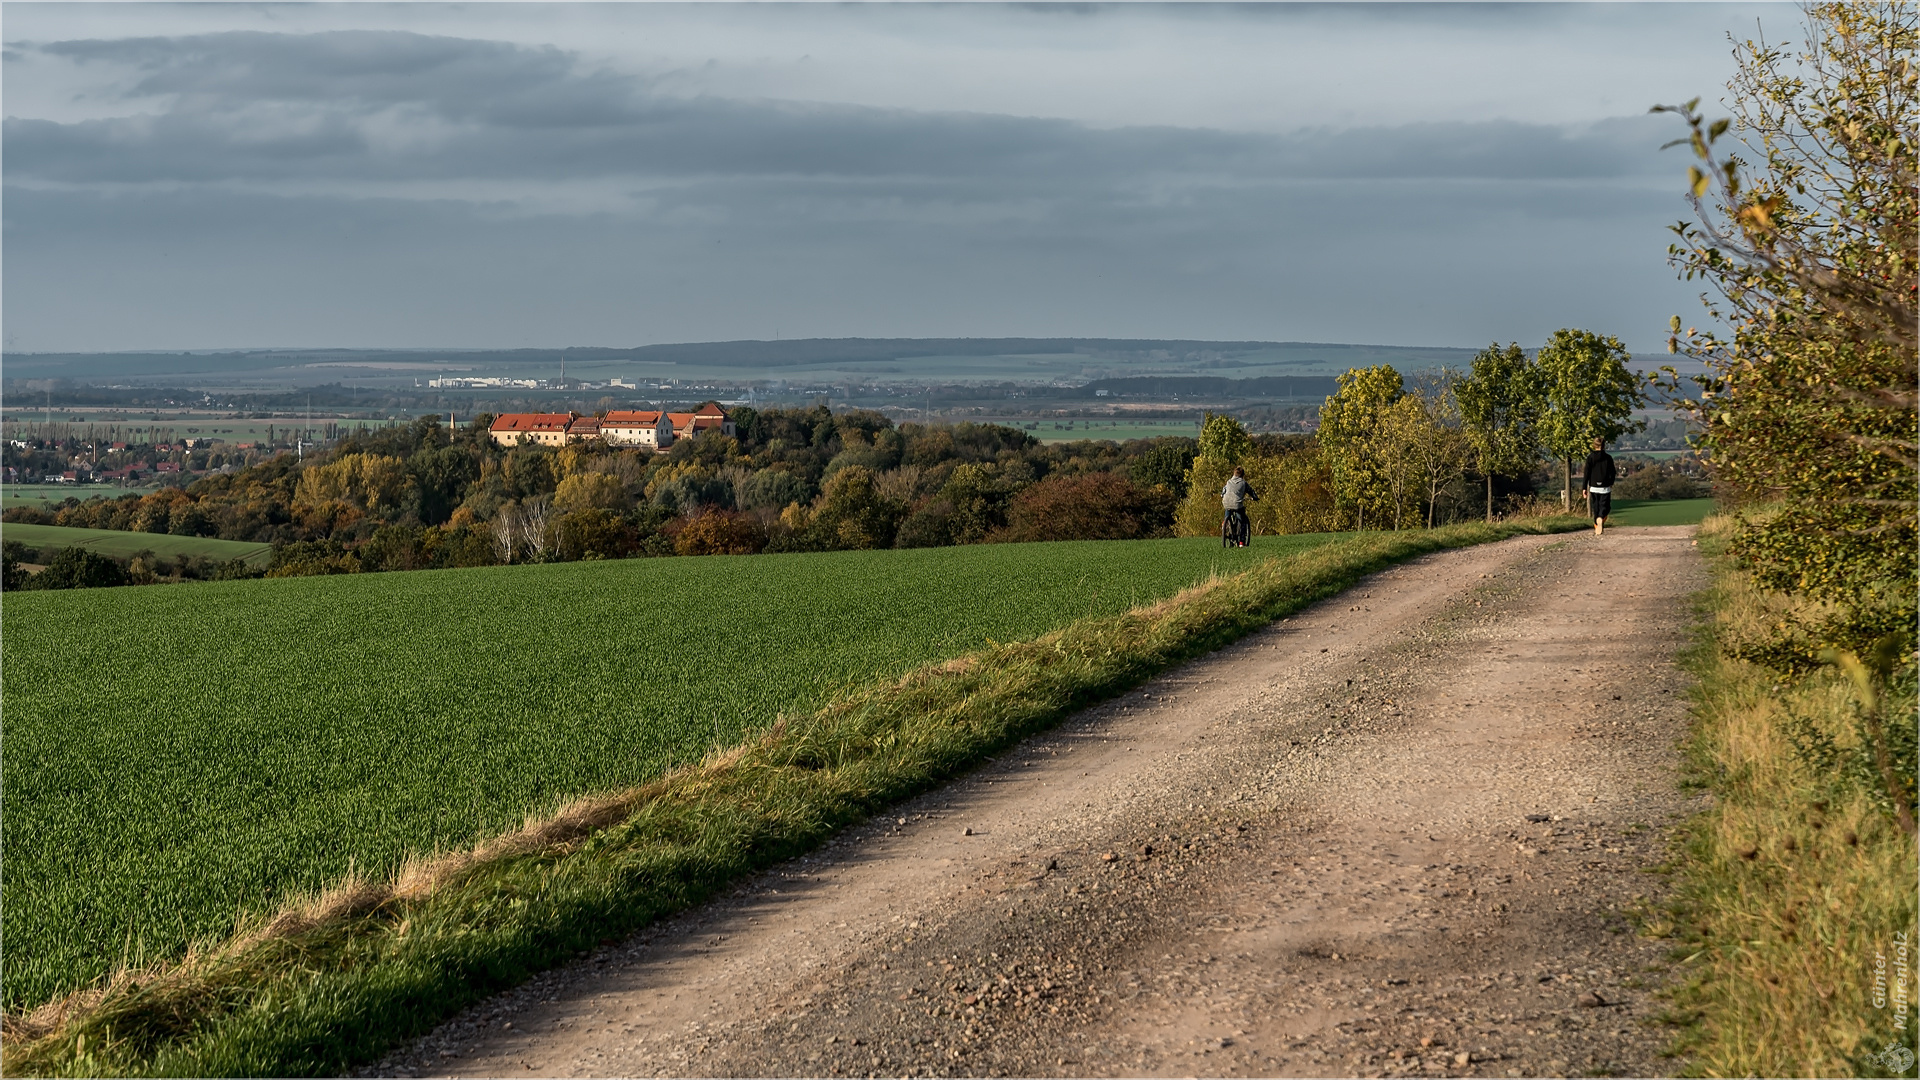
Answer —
(719, 357)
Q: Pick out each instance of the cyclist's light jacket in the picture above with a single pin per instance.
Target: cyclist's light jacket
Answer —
(1236, 493)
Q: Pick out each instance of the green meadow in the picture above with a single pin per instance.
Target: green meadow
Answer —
(176, 755)
(121, 545)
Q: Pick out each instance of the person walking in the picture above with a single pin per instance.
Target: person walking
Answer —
(1233, 498)
(1596, 483)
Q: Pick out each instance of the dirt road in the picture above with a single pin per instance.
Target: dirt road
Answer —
(1396, 834)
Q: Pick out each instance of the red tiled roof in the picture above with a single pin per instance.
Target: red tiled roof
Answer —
(630, 417)
(532, 422)
(584, 426)
(711, 408)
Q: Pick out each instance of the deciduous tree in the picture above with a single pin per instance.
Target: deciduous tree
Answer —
(1500, 402)
(1589, 394)
(1809, 248)
(1350, 437)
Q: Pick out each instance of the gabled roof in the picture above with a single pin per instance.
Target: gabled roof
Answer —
(631, 418)
(584, 425)
(532, 422)
(711, 408)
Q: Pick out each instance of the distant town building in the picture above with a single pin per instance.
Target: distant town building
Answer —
(708, 417)
(539, 429)
(621, 427)
(630, 427)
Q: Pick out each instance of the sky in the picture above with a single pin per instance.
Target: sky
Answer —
(546, 175)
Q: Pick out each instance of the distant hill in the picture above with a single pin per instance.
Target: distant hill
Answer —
(909, 359)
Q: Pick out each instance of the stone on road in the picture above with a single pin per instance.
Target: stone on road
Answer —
(1400, 833)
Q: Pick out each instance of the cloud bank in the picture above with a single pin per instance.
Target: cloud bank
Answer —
(393, 187)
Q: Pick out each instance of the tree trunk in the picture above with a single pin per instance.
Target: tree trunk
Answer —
(1566, 494)
(1489, 498)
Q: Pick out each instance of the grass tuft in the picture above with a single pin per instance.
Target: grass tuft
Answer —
(347, 974)
(1793, 885)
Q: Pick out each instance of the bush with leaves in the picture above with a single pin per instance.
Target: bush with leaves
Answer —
(1810, 400)
(78, 568)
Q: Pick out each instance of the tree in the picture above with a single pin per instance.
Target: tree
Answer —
(1349, 436)
(853, 514)
(506, 532)
(1091, 506)
(590, 491)
(1589, 394)
(78, 568)
(1500, 402)
(1436, 448)
(1223, 439)
(534, 514)
(1810, 401)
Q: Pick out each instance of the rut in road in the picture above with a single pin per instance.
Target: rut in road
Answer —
(1400, 833)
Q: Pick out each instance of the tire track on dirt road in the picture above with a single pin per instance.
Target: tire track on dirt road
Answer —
(1398, 833)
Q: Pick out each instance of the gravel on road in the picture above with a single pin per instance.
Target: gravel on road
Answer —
(1404, 832)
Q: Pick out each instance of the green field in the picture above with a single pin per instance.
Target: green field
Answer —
(1660, 511)
(1118, 430)
(122, 545)
(175, 755)
(42, 496)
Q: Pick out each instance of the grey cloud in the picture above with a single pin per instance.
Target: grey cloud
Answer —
(361, 106)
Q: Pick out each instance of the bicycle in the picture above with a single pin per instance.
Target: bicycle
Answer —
(1235, 530)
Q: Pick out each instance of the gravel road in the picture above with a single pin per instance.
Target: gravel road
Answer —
(1400, 833)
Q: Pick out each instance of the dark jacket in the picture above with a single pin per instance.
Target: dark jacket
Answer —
(1598, 471)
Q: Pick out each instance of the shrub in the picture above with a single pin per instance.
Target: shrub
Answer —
(78, 568)
(594, 534)
(1093, 506)
(929, 526)
(720, 532)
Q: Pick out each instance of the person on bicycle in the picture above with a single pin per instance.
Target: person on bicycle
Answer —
(1234, 498)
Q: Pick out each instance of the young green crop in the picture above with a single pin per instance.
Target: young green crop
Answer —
(121, 544)
(176, 755)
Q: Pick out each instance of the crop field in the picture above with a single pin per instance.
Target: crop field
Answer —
(1120, 429)
(1660, 511)
(120, 544)
(176, 755)
(44, 496)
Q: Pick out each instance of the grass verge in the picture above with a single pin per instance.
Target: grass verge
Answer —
(1794, 907)
(344, 976)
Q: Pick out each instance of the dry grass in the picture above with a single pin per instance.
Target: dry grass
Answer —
(1793, 883)
(341, 976)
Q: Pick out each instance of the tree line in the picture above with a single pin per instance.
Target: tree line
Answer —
(1389, 455)
(425, 496)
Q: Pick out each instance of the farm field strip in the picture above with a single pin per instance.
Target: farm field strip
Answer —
(121, 544)
(1660, 511)
(178, 755)
(43, 496)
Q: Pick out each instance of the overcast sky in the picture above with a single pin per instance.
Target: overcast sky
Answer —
(499, 175)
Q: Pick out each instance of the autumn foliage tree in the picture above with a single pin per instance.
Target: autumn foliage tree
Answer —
(1811, 406)
(1809, 251)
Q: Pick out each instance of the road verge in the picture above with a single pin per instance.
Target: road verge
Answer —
(1794, 894)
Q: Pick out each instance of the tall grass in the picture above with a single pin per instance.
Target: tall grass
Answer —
(1796, 883)
(342, 977)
